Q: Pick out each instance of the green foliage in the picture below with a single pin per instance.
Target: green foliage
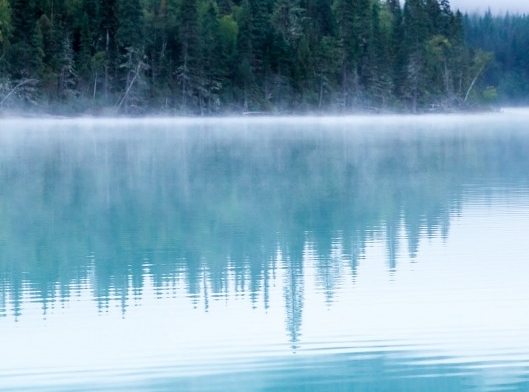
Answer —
(228, 30)
(129, 33)
(507, 37)
(209, 56)
(5, 22)
(490, 94)
(188, 73)
(5, 33)
(85, 48)
(287, 20)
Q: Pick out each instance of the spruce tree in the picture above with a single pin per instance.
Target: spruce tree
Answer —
(260, 29)
(26, 51)
(188, 72)
(345, 21)
(228, 57)
(397, 50)
(329, 57)
(91, 8)
(5, 22)
(378, 70)
(131, 46)
(107, 44)
(287, 20)
(210, 80)
(130, 33)
(244, 76)
(363, 29)
(5, 33)
(84, 55)
(320, 14)
(416, 32)
(67, 72)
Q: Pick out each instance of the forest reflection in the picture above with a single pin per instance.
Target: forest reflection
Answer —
(219, 211)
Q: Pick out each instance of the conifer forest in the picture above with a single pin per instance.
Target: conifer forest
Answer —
(207, 57)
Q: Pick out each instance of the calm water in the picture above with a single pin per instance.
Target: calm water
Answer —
(353, 254)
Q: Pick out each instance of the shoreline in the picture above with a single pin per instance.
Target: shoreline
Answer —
(109, 114)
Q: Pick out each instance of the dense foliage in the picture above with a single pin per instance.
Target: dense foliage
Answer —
(507, 37)
(211, 56)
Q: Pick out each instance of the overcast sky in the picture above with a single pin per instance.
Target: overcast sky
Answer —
(521, 6)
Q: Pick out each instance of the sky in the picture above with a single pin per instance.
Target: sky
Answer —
(521, 6)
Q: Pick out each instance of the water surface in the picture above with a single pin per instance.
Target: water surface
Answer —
(365, 253)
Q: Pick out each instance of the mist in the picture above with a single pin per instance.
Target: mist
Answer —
(205, 252)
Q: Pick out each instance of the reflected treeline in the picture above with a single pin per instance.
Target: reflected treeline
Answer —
(219, 211)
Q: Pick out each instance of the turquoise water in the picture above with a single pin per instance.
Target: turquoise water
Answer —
(309, 254)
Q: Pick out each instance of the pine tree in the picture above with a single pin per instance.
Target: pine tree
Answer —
(260, 37)
(379, 83)
(228, 57)
(26, 52)
(67, 75)
(244, 77)
(107, 44)
(210, 80)
(161, 50)
(84, 55)
(345, 20)
(364, 32)
(416, 32)
(287, 19)
(397, 50)
(188, 70)
(5, 23)
(130, 33)
(320, 14)
(91, 8)
(328, 59)
(5, 33)
(131, 46)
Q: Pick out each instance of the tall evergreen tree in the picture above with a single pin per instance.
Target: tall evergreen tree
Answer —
(259, 35)
(328, 63)
(228, 57)
(5, 33)
(107, 44)
(211, 70)
(5, 21)
(130, 33)
(244, 77)
(86, 47)
(131, 46)
(378, 70)
(188, 72)
(287, 19)
(26, 52)
(345, 20)
(416, 32)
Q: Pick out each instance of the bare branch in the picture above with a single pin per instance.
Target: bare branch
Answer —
(22, 83)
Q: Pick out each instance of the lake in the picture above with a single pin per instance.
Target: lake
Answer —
(300, 254)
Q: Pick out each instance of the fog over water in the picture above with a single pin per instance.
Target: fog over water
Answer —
(265, 254)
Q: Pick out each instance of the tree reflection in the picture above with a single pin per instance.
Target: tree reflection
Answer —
(222, 212)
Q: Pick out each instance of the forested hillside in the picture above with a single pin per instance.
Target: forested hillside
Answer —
(233, 56)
